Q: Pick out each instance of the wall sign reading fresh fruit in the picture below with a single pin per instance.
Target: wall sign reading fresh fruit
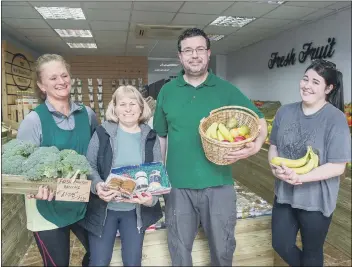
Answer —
(308, 50)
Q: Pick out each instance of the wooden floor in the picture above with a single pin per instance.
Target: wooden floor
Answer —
(253, 249)
(332, 256)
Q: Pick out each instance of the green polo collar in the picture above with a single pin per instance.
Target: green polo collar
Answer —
(210, 81)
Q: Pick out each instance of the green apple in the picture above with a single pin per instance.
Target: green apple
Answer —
(243, 130)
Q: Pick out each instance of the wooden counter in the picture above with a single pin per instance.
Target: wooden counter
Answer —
(255, 174)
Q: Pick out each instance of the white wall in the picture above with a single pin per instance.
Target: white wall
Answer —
(221, 66)
(248, 68)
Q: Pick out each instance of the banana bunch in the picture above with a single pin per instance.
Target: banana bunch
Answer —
(302, 165)
(219, 131)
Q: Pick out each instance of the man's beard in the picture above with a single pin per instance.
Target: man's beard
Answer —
(198, 73)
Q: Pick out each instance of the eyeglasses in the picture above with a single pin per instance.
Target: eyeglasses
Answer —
(199, 50)
(327, 64)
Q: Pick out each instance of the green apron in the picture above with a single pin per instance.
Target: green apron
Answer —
(63, 213)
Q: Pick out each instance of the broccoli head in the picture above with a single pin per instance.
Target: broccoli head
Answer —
(12, 164)
(43, 163)
(65, 152)
(18, 147)
(73, 162)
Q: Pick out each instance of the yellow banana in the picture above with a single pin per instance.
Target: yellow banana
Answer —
(211, 132)
(292, 163)
(315, 157)
(219, 135)
(306, 168)
(225, 132)
(270, 120)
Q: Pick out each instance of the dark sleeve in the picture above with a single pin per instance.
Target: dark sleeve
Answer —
(339, 141)
(237, 98)
(275, 127)
(159, 121)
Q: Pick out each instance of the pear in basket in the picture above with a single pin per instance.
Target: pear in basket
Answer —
(231, 123)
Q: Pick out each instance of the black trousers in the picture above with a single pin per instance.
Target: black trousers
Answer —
(313, 225)
(54, 245)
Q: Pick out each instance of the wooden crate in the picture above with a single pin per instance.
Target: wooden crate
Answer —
(17, 184)
(253, 246)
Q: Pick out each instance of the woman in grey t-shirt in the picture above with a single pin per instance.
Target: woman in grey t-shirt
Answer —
(306, 202)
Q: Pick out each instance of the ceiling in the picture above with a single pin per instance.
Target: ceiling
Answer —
(112, 24)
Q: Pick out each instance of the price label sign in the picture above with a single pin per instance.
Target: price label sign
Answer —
(74, 191)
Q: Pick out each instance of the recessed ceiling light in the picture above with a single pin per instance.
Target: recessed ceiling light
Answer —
(139, 46)
(270, 2)
(276, 2)
(215, 37)
(82, 45)
(161, 69)
(61, 13)
(74, 33)
(231, 21)
(169, 65)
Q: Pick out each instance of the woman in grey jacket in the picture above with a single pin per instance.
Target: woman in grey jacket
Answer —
(124, 139)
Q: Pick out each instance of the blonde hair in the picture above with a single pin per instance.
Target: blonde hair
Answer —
(43, 59)
(131, 92)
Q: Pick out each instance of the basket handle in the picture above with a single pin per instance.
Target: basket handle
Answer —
(236, 107)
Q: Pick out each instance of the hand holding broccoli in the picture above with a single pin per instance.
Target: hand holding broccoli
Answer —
(44, 193)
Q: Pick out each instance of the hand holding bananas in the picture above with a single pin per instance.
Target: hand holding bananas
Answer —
(290, 170)
(286, 174)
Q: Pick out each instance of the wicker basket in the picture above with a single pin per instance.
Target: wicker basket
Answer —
(216, 150)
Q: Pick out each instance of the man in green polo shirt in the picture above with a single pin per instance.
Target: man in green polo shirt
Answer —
(202, 192)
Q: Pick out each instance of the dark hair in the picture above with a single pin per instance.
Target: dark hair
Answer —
(332, 76)
(192, 32)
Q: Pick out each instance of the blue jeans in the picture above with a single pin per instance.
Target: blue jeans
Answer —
(101, 248)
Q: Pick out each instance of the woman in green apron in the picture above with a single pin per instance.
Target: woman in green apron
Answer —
(59, 122)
